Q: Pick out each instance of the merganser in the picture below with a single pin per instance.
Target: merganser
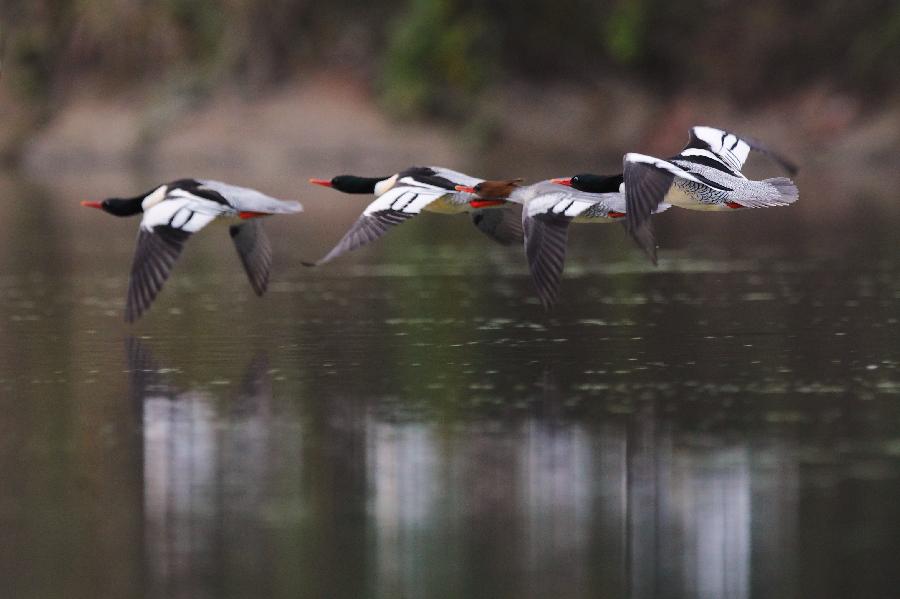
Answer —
(403, 195)
(705, 175)
(172, 212)
(548, 209)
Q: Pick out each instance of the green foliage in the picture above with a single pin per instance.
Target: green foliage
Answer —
(436, 57)
(871, 53)
(204, 23)
(624, 31)
(434, 63)
(31, 52)
(31, 56)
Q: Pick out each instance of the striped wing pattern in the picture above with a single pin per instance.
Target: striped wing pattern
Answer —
(569, 203)
(710, 143)
(164, 229)
(392, 208)
(182, 211)
(729, 149)
(366, 229)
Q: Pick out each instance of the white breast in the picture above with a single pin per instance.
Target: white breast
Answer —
(153, 198)
(383, 186)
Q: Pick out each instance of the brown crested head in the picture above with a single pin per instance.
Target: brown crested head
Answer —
(497, 190)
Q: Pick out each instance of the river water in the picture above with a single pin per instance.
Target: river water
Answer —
(408, 422)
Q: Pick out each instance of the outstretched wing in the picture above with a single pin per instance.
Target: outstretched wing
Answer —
(503, 225)
(154, 257)
(647, 181)
(552, 199)
(395, 206)
(727, 149)
(545, 249)
(255, 251)
(757, 146)
(162, 234)
(545, 220)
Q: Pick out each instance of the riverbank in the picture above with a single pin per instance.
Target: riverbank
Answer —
(309, 126)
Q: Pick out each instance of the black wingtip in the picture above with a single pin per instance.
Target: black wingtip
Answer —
(309, 264)
(645, 238)
(790, 167)
(651, 254)
(548, 294)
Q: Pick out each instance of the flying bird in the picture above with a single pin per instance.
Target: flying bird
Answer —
(401, 196)
(173, 212)
(548, 208)
(705, 175)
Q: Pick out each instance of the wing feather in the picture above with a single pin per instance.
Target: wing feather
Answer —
(365, 230)
(778, 158)
(646, 186)
(456, 177)
(545, 249)
(395, 206)
(503, 225)
(731, 149)
(155, 254)
(255, 251)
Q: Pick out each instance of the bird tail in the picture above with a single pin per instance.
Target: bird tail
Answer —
(787, 191)
(779, 191)
(282, 207)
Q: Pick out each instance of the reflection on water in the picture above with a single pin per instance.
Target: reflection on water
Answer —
(408, 423)
(201, 470)
(542, 504)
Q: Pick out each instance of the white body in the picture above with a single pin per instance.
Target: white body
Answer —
(709, 178)
(546, 197)
(181, 209)
(410, 196)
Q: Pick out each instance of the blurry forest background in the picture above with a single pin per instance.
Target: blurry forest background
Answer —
(280, 84)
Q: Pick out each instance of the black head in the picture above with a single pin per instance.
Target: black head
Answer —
(596, 183)
(118, 206)
(350, 183)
